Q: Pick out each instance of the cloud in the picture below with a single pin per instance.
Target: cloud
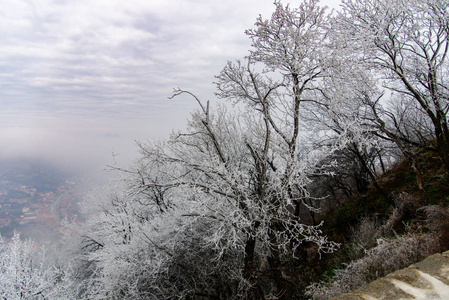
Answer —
(69, 66)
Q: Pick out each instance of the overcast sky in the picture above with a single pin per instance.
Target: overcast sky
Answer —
(82, 79)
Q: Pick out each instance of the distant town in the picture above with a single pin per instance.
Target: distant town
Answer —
(34, 199)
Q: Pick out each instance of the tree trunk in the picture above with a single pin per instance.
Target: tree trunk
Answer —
(249, 271)
(275, 268)
(442, 137)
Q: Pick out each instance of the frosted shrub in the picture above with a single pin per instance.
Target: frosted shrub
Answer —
(363, 236)
(389, 255)
(437, 217)
(25, 273)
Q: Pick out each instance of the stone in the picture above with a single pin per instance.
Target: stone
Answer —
(428, 279)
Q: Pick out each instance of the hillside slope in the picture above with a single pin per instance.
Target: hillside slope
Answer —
(386, 230)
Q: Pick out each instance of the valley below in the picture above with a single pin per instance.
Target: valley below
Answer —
(35, 199)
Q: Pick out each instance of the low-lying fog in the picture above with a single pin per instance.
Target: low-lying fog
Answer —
(85, 151)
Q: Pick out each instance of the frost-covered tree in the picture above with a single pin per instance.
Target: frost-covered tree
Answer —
(26, 273)
(323, 86)
(404, 44)
(364, 155)
(208, 212)
(212, 210)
